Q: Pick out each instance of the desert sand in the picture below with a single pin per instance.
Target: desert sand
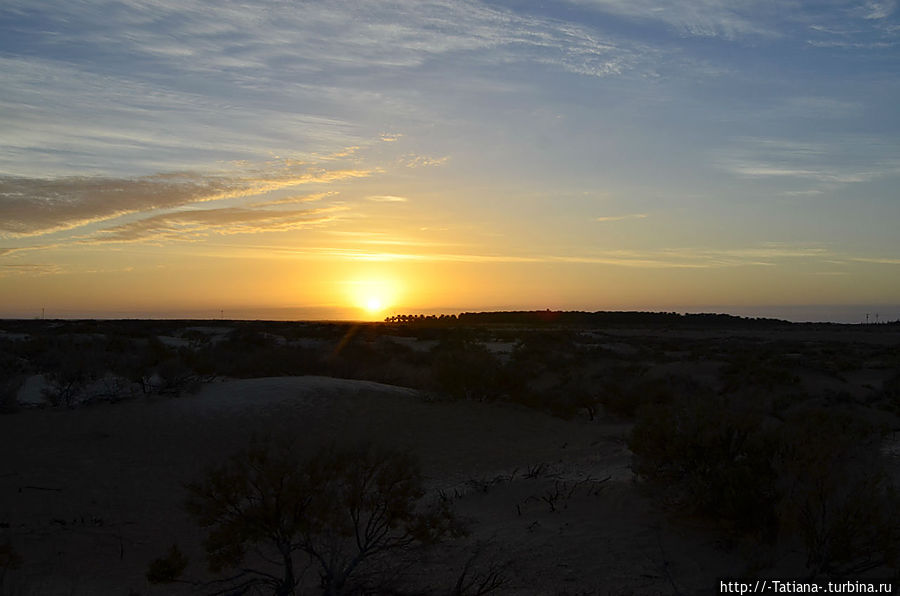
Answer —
(91, 495)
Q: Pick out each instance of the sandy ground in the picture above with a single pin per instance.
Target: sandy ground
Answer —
(89, 496)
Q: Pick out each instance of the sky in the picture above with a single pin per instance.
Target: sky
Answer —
(356, 159)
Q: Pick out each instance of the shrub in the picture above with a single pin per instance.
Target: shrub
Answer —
(367, 506)
(174, 376)
(66, 384)
(167, 569)
(817, 475)
(624, 395)
(466, 370)
(757, 371)
(344, 509)
(836, 493)
(713, 460)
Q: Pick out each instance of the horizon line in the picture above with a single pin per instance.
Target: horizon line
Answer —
(861, 314)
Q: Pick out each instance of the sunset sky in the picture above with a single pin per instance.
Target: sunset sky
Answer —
(294, 159)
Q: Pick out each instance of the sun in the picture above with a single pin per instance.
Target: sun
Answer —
(372, 296)
(374, 305)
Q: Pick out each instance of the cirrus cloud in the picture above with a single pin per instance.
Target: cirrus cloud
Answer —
(388, 199)
(200, 223)
(35, 206)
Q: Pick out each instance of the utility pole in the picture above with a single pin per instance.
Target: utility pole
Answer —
(867, 318)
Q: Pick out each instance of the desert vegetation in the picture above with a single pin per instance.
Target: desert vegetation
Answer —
(816, 477)
(349, 512)
(601, 453)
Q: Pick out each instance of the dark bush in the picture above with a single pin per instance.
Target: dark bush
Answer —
(710, 458)
(817, 474)
(167, 569)
(466, 370)
(623, 395)
(836, 493)
(67, 381)
(757, 371)
(346, 510)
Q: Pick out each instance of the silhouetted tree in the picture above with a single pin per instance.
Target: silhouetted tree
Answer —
(67, 381)
(343, 509)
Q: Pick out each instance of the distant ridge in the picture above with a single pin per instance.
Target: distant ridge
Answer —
(596, 319)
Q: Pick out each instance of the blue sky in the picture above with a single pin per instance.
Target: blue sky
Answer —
(690, 153)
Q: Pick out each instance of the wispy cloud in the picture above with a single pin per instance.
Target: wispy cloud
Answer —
(840, 160)
(852, 45)
(867, 25)
(201, 223)
(29, 269)
(278, 77)
(621, 217)
(671, 258)
(816, 107)
(34, 206)
(876, 260)
(318, 196)
(52, 126)
(422, 161)
(878, 9)
(809, 192)
(839, 24)
(387, 199)
(701, 18)
(320, 37)
(823, 175)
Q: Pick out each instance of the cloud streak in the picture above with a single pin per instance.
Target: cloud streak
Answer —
(34, 206)
(295, 199)
(422, 161)
(387, 199)
(28, 269)
(844, 159)
(700, 18)
(671, 258)
(201, 223)
(735, 20)
(621, 217)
